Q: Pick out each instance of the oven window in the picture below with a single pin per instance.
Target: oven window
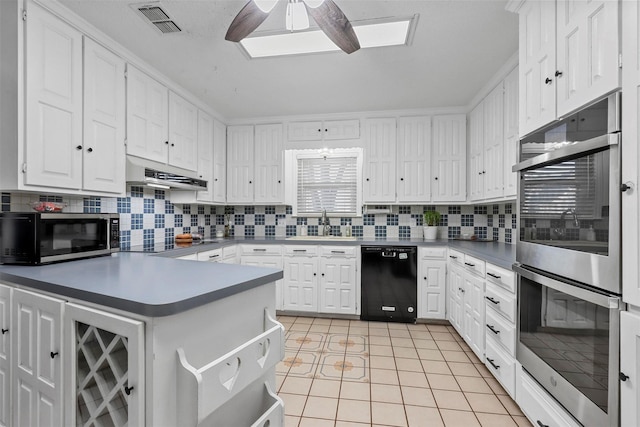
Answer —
(570, 335)
(65, 236)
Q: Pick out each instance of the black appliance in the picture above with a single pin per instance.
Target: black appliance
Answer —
(36, 238)
(389, 283)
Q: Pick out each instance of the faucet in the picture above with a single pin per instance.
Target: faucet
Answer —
(560, 232)
(324, 222)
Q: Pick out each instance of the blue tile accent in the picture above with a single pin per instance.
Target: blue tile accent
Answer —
(345, 221)
(159, 194)
(200, 209)
(212, 210)
(270, 210)
(480, 232)
(508, 208)
(507, 235)
(444, 220)
(288, 210)
(169, 235)
(123, 204)
(514, 221)
(159, 221)
(480, 210)
(404, 232)
(194, 220)
(368, 219)
(291, 230)
(466, 220)
(137, 191)
(496, 233)
(177, 220)
(149, 206)
(125, 239)
(259, 219)
(269, 230)
(168, 207)
(6, 202)
(454, 210)
(404, 209)
(186, 229)
(148, 237)
(50, 198)
(501, 221)
(136, 221)
(299, 220)
(91, 205)
(207, 219)
(357, 231)
(249, 210)
(186, 209)
(380, 231)
(419, 219)
(280, 216)
(312, 230)
(229, 210)
(249, 230)
(238, 219)
(335, 230)
(496, 209)
(392, 219)
(490, 220)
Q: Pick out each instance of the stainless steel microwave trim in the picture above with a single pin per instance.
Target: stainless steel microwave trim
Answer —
(144, 172)
(568, 152)
(583, 409)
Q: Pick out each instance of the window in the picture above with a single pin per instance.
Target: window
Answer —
(328, 181)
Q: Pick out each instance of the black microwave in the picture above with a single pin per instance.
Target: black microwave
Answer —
(37, 238)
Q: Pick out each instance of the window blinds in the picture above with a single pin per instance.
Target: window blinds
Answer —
(327, 183)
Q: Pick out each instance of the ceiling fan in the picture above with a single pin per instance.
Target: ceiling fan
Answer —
(331, 20)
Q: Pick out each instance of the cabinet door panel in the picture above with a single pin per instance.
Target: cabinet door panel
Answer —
(338, 286)
(511, 138)
(476, 153)
(630, 366)
(432, 291)
(300, 284)
(269, 187)
(240, 164)
(183, 129)
(219, 184)
(414, 153)
(5, 356)
(494, 143)
(305, 131)
(53, 102)
(380, 160)
(341, 129)
(104, 120)
(205, 154)
(449, 154)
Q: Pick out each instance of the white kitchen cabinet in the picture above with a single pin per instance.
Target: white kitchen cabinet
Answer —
(240, 173)
(205, 155)
(5, 356)
(474, 313)
(219, 181)
(327, 130)
(265, 256)
(413, 159)
(53, 102)
(493, 171)
(338, 280)
(432, 284)
(630, 368)
(379, 161)
(36, 359)
(104, 120)
(511, 136)
(104, 367)
(214, 255)
(147, 117)
(269, 186)
(476, 153)
(455, 307)
(449, 158)
(183, 131)
(631, 157)
(568, 57)
(300, 286)
(230, 255)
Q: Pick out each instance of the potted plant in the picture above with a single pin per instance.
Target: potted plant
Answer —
(430, 227)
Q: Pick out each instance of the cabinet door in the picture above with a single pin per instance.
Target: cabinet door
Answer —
(432, 289)
(53, 134)
(305, 131)
(219, 184)
(476, 153)
(37, 359)
(630, 366)
(537, 64)
(341, 129)
(494, 143)
(269, 187)
(271, 261)
(338, 285)
(205, 155)
(631, 157)
(474, 309)
(147, 116)
(511, 138)
(380, 161)
(455, 280)
(104, 366)
(183, 130)
(104, 120)
(5, 356)
(300, 287)
(449, 158)
(587, 56)
(240, 164)
(414, 152)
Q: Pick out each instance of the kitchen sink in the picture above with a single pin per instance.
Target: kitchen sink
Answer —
(324, 238)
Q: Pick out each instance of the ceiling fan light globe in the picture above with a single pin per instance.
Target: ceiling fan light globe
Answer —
(296, 17)
(265, 5)
(313, 3)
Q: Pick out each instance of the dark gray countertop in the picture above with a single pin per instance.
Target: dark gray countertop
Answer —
(142, 284)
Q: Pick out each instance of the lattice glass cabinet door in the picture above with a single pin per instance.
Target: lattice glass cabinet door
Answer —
(106, 362)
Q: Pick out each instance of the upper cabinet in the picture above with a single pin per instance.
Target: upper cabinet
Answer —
(511, 137)
(569, 56)
(240, 173)
(449, 158)
(324, 130)
(379, 160)
(183, 130)
(414, 159)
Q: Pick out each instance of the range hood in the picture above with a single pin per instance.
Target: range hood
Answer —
(145, 172)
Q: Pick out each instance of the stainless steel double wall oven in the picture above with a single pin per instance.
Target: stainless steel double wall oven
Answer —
(568, 260)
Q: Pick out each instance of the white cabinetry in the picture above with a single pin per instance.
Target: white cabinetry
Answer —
(264, 256)
(493, 143)
(300, 285)
(379, 161)
(511, 137)
(414, 159)
(240, 164)
(219, 184)
(36, 359)
(432, 273)
(568, 57)
(5, 356)
(338, 280)
(455, 285)
(104, 367)
(449, 158)
(327, 130)
(630, 368)
(183, 130)
(476, 153)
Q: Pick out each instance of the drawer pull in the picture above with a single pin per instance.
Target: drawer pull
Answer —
(53, 354)
(299, 250)
(4, 331)
(496, 367)
(469, 264)
(461, 290)
(623, 376)
(495, 276)
(492, 329)
(492, 300)
(259, 250)
(540, 424)
(214, 256)
(453, 257)
(337, 252)
(128, 390)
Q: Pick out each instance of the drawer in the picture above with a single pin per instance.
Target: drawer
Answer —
(456, 257)
(501, 277)
(501, 300)
(214, 255)
(229, 251)
(261, 249)
(301, 250)
(501, 365)
(474, 264)
(539, 406)
(339, 251)
(500, 330)
(432, 253)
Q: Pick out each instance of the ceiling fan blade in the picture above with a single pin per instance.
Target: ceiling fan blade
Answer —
(333, 22)
(247, 20)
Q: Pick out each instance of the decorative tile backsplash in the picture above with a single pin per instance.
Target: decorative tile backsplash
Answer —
(148, 217)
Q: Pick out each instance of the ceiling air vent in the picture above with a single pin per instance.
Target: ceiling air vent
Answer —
(158, 17)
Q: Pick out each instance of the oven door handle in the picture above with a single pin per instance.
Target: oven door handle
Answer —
(568, 152)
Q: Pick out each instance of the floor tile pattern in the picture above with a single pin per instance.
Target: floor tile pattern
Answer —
(351, 373)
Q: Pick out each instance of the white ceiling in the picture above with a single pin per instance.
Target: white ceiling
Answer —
(458, 46)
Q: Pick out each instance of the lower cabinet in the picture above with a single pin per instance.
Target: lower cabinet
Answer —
(432, 273)
(5, 356)
(300, 287)
(264, 256)
(629, 369)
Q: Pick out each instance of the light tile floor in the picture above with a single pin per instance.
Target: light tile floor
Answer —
(351, 373)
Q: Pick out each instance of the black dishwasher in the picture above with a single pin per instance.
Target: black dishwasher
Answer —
(389, 283)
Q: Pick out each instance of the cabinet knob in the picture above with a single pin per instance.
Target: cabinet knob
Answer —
(326, 130)
(315, 274)
(127, 390)
(250, 182)
(436, 178)
(53, 355)
(216, 180)
(79, 147)
(547, 81)
(4, 331)
(90, 150)
(279, 182)
(425, 278)
(367, 179)
(173, 145)
(626, 186)
(166, 142)
(623, 377)
(401, 179)
(319, 130)
(322, 274)
(558, 73)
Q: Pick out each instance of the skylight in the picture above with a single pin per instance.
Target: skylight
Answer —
(378, 34)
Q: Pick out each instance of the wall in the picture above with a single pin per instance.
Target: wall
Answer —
(149, 218)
